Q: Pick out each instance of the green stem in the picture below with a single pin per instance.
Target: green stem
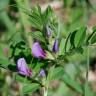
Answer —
(45, 91)
(87, 73)
(5, 90)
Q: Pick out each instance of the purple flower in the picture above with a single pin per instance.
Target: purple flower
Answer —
(49, 31)
(23, 68)
(42, 73)
(55, 46)
(37, 51)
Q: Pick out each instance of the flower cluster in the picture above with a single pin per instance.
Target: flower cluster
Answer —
(37, 52)
(24, 70)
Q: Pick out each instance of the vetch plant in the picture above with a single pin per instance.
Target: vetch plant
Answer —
(37, 70)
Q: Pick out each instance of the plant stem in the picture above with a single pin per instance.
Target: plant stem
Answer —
(87, 73)
(45, 92)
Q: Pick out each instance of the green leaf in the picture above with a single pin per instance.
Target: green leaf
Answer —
(78, 50)
(47, 14)
(16, 48)
(61, 48)
(37, 35)
(36, 23)
(94, 29)
(27, 52)
(4, 62)
(22, 79)
(37, 10)
(80, 37)
(67, 43)
(36, 18)
(30, 88)
(72, 37)
(37, 67)
(90, 36)
(55, 73)
(72, 83)
(93, 39)
(16, 38)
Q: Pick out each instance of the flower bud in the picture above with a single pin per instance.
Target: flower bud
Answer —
(55, 46)
(42, 73)
(49, 31)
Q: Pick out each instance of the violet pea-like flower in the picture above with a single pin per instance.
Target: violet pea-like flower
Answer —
(55, 46)
(42, 73)
(37, 51)
(23, 68)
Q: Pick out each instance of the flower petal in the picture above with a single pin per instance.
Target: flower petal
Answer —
(23, 68)
(37, 51)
